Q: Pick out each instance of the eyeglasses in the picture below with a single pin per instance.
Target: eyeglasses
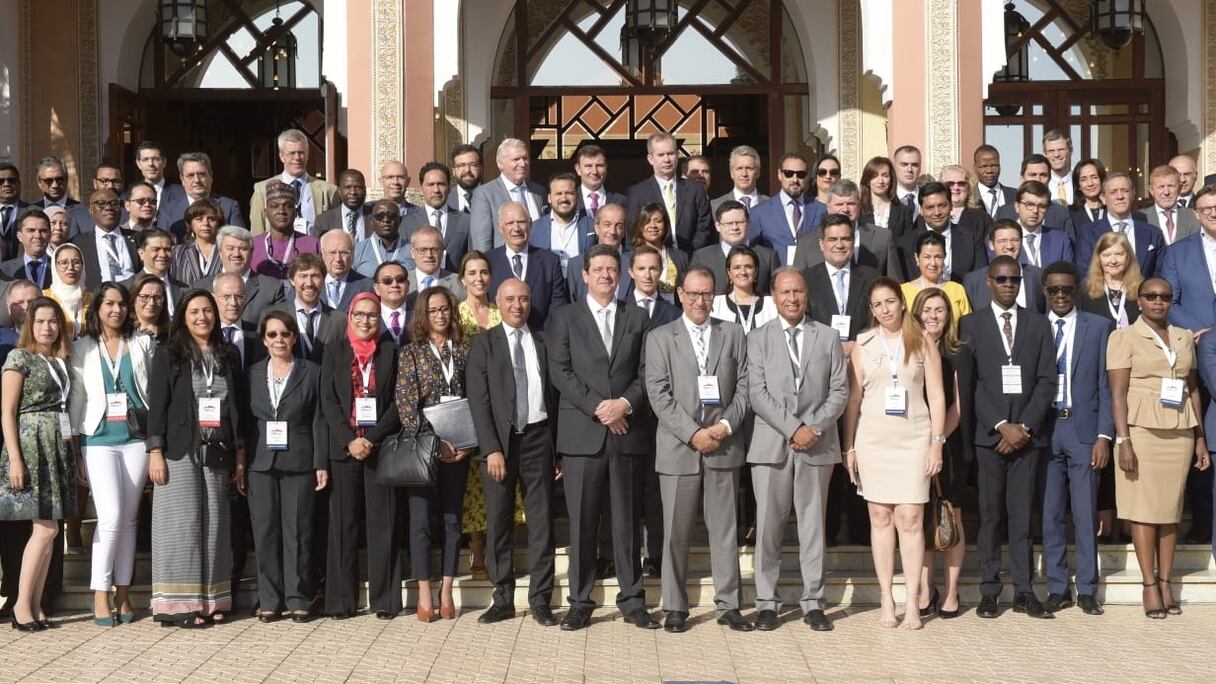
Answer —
(1198, 210)
(834, 173)
(106, 204)
(275, 334)
(53, 180)
(150, 299)
(1060, 289)
(1007, 241)
(439, 311)
(1035, 206)
(694, 296)
(384, 215)
(393, 280)
(111, 182)
(365, 316)
(1007, 280)
(1156, 296)
(144, 201)
(428, 250)
(790, 174)
(733, 224)
(231, 297)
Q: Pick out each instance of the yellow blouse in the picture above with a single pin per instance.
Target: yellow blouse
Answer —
(960, 305)
(468, 322)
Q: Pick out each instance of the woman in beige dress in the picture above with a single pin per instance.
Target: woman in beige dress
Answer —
(1154, 391)
(893, 431)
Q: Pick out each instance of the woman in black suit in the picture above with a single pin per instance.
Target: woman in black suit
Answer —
(358, 383)
(878, 204)
(1087, 178)
(195, 449)
(287, 466)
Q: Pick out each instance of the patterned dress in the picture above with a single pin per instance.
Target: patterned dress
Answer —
(50, 465)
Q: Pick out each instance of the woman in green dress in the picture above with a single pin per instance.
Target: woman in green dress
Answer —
(38, 468)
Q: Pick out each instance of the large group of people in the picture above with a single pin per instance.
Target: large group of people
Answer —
(637, 362)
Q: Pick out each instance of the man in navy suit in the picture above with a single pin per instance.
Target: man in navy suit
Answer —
(11, 207)
(33, 264)
(537, 267)
(453, 225)
(151, 163)
(564, 230)
(466, 169)
(194, 168)
(1118, 193)
(779, 221)
(1081, 427)
(1036, 168)
(687, 204)
(341, 282)
(591, 165)
(609, 230)
(1042, 244)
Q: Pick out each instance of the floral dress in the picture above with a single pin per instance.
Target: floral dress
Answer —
(50, 464)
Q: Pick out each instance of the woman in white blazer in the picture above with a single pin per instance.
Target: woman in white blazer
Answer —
(110, 366)
(741, 304)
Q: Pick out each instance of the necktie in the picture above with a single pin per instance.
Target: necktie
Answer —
(669, 198)
(1061, 363)
(1121, 227)
(394, 324)
(648, 304)
(1184, 202)
(840, 292)
(795, 354)
(796, 217)
(352, 224)
(438, 217)
(699, 348)
(910, 202)
(993, 206)
(306, 334)
(35, 268)
(747, 202)
(116, 272)
(1169, 226)
(517, 266)
(606, 329)
(1032, 254)
(593, 200)
(1061, 194)
(1095, 214)
(426, 282)
(230, 334)
(298, 186)
(334, 296)
(520, 369)
(1007, 328)
(5, 213)
(522, 198)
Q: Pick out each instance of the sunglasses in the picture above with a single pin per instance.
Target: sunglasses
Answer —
(1007, 280)
(275, 334)
(390, 280)
(10, 180)
(106, 204)
(822, 173)
(955, 184)
(791, 174)
(1156, 296)
(384, 215)
(1060, 289)
(144, 201)
(54, 180)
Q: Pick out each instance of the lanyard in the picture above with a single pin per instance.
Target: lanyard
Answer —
(65, 385)
(276, 386)
(208, 371)
(1117, 312)
(115, 364)
(379, 252)
(746, 322)
(450, 368)
(365, 370)
(1171, 356)
(893, 356)
(291, 245)
(105, 244)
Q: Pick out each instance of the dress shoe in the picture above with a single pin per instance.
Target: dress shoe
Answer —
(45, 623)
(651, 569)
(576, 619)
(676, 622)
(988, 607)
(604, 569)
(496, 613)
(31, 626)
(766, 620)
(1057, 602)
(951, 614)
(447, 611)
(543, 616)
(385, 615)
(1029, 604)
(735, 620)
(1089, 605)
(931, 609)
(818, 621)
(427, 614)
(268, 617)
(301, 616)
(340, 616)
(641, 618)
(1200, 533)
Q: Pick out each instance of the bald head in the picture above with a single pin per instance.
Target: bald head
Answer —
(394, 179)
(1187, 173)
(514, 301)
(515, 225)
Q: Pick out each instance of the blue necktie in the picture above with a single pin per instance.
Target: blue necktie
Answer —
(1061, 363)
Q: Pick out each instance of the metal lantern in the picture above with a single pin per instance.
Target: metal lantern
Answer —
(1017, 60)
(1117, 21)
(183, 25)
(647, 23)
(277, 65)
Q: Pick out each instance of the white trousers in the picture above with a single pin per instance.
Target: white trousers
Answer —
(116, 478)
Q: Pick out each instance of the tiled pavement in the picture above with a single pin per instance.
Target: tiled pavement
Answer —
(1121, 646)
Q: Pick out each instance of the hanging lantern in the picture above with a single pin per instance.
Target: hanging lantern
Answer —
(647, 23)
(277, 65)
(183, 25)
(1017, 59)
(1117, 21)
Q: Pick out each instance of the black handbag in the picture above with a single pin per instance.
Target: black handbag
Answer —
(137, 422)
(408, 460)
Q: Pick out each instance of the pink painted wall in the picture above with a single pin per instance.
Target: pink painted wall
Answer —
(907, 112)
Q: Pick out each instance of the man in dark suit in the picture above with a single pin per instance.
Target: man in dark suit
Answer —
(194, 168)
(907, 162)
(512, 185)
(1012, 364)
(303, 300)
(1005, 238)
(731, 222)
(596, 363)
(778, 222)
(1081, 432)
(1118, 193)
(139, 207)
(1184, 164)
(11, 207)
(53, 182)
(686, 203)
(236, 249)
(872, 246)
(341, 283)
(466, 168)
(609, 230)
(539, 268)
(32, 263)
(436, 180)
(964, 249)
(744, 172)
(350, 216)
(514, 407)
(155, 255)
(1042, 243)
(109, 251)
(150, 161)
(992, 193)
(565, 230)
(591, 166)
(1036, 168)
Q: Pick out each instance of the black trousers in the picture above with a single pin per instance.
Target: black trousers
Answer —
(14, 535)
(446, 499)
(280, 507)
(354, 492)
(589, 481)
(1007, 485)
(650, 503)
(529, 460)
(844, 503)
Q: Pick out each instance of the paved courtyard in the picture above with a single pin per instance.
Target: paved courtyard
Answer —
(1014, 648)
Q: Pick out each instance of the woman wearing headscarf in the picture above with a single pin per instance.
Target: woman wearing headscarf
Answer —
(67, 288)
(61, 227)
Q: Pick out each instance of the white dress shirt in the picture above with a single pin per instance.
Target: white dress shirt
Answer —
(536, 390)
(440, 222)
(119, 250)
(360, 232)
(1130, 228)
(1163, 221)
(341, 282)
(386, 317)
(1034, 255)
(1209, 255)
(841, 305)
(513, 193)
(238, 337)
(707, 336)
(1056, 182)
(523, 260)
(646, 301)
(307, 210)
(991, 197)
(753, 197)
(997, 312)
(602, 197)
(1070, 332)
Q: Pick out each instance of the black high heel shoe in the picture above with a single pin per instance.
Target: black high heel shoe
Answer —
(24, 626)
(951, 614)
(931, 609)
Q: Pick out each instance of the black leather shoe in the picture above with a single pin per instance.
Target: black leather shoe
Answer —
(268, 617)
(1029, 604)
(385, 615)
(340, 616)
(766, 620)
(604, 569)
(1057, 602)
(676, 622)
(735, 620)
(576, 619)
(1089, 605)
(988, 607)
(818, 621)
(498, 613)
(931, 609)
(651, 569)
(641, 618)
(543, 616)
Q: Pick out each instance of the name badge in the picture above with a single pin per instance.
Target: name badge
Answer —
(841, 324)
(1059, 388)
(707, 390)
(789, 254)
(116, 407)
(1011, 379)
(276, 435)
(65, 426)
(445, 398)
(895, 400)
(1171, 392)
(300, 225)
(365, 411)
(209, 412)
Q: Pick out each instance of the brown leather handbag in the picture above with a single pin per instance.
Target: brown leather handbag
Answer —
(945, 528)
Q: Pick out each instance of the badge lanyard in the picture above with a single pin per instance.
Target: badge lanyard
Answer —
(105, 244)
(892, 357)
(365, 371)
(746, 322)
(115, 364)
(208, 371)
(1117, 313)
(291, 245)
(450, 368)
(65, 385)
(276, 386)
(1171, 356)
(379, 253)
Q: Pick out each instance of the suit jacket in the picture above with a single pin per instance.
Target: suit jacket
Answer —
(87, 405)
(821, 297)
(355, 284)
(368, 252)
(712, 257)
(171, 213)
(14, 269)
(455, 235)
(1053, 246)
(780, 407)
(1186, 270)
(337, 399)
(300, 407)
(976, 284)
(577, 289)
(543, 276)
(1081, 215)
(169, 190)
(876, 249)
(483, 211)
(172, 405)
(454, 199)
(1033, 351)
(1149, 245)
(328, 327)
(324, 196)
(82, 220)
(584, 374)
(1185, 221)
(9, 247)
(442, 279)
(260, 292)
(899, 220)
(87, 243)
(490, 381)
(1205, 359)
(1091, 408)
(1057, 216)
(1008, 196)
(730, 195)
(977, 221)
(174, 288)
(331, 219)
(662, 312)
(542, 233)
(609, 198)
(694, 224)
(768, 226)
(1100, 306)
(966, 252)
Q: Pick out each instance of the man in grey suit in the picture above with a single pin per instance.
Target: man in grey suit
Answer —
(352, 211)
(1166, 212)
(512, 185)
(426, 246)
(236, 249)
(341, 282)
(744, 172)
(794, 444)
(872, 246)
(696, 382)
(436, 180)
(731, 222)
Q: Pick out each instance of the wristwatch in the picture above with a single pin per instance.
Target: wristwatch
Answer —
(1119, 440)
(940, 439)
(1027, 429)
